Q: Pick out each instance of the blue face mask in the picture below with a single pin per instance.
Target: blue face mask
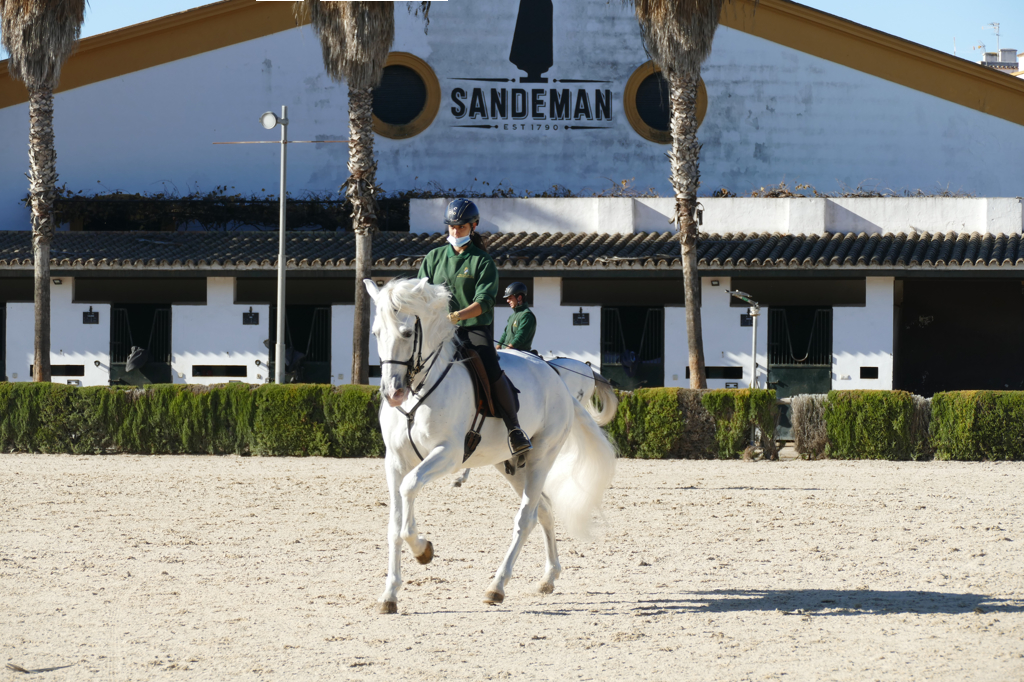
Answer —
(458, 242)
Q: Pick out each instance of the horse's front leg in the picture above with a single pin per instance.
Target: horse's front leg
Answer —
(393, 470)
(440, 462)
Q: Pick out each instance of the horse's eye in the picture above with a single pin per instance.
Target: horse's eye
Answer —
(406, 334)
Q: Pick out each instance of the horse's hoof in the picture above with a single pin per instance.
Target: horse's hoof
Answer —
(493, 597)
(428, 554)
(546, 588)
(457, 483)
(388, 607)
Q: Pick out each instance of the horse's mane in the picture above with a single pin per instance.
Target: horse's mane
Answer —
(417, 297)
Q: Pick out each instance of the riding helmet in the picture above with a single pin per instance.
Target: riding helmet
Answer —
(460, 212)
(515, 289)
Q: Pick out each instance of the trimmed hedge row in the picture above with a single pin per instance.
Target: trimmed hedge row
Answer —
(657, 423)
(301, 420)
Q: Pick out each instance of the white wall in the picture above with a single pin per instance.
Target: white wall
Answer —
(726, 343)
(71, 342)
(774, 115)
(863, 337)
(736, 215)
(556, 335)
(342, 317)
(213, 334)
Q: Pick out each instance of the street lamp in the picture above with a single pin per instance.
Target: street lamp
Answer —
(754, 311)
(269, 121)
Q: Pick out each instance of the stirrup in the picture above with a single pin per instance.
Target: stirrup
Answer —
(519, 444)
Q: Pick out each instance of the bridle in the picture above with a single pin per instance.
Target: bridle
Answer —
(414, 368)
(416, 362)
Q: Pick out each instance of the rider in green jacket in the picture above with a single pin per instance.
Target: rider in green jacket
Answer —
(521, 327)
(472, 278)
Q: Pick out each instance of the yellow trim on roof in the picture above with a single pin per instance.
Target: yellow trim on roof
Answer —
(801, 28)
(161, 41)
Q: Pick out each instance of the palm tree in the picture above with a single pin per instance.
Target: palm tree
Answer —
(40, 35)
(356, 38)
(678, 36)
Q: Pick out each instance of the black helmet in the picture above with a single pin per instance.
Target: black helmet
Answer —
(515, 289)
(460, 212)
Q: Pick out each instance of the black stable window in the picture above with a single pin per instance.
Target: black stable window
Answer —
(868, 372)
(62, 370)
(720, 372)
(400, 97)
(219, 370)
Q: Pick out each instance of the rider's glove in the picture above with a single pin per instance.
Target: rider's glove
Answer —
(454, 317)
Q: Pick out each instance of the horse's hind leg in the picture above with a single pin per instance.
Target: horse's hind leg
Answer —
(552, 569)
(389, 600)
(530, 481)
(460, 479)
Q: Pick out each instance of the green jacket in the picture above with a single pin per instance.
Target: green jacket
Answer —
(470, 276)
(519, 329)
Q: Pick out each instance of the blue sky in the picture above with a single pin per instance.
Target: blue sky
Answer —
(935, 23)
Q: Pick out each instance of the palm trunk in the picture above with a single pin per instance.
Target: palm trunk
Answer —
(685, 179)
(42, 157)
(362, 188)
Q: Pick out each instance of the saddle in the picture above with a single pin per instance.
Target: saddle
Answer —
(482, 398)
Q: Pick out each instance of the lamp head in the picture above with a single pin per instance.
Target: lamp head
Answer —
(269, 120)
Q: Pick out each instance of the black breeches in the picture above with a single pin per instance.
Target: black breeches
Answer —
(481, 339)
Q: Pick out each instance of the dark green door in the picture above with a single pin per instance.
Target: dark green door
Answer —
(633, 346)
(144, 326)
(307, 333)
(799, 356)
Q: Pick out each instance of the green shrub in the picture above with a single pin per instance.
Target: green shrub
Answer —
(648, 423)
(978, 425)
(871, 425)
(735, 412)
(351, 414)
(232, 412)
(289, 420)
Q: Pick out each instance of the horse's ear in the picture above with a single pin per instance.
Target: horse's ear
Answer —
(371, 288)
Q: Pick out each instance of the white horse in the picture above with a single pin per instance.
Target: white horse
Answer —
(584, 383)
(427, 412)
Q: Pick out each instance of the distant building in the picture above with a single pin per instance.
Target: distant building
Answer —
(1003, 60)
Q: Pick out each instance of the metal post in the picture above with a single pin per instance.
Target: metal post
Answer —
(279, 366)
(754, 313)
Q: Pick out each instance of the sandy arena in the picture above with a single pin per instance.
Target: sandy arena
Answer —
(231, 568)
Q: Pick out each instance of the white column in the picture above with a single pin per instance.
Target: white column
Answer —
(862, 337)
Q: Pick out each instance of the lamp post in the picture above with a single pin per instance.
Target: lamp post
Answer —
(754, 311)
(269, 121)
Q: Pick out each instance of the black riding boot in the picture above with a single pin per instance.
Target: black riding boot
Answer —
(518, 443)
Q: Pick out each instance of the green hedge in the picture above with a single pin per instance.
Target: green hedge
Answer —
(298, 420)
(870, 425)
(978, 425)
(657, 423)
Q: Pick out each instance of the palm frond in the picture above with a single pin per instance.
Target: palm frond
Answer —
(355, 38)
(678, 33)
(40, 35)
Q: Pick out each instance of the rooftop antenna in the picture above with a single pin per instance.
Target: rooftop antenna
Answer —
(995, 25)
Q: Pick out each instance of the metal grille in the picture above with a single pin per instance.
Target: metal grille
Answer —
(319, 347)
(652, 343)
(120, 336)
(818, 350)
(160, 337)
(612, 341)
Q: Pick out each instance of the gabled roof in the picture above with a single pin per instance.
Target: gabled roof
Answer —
(634, 255)
(787, 23)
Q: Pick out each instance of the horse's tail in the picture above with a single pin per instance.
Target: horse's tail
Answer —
(609, 401)
(581, 473)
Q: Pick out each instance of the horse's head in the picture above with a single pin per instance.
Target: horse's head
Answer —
(411, 325)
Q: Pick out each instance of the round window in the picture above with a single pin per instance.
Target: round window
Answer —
(407, 99)
(647, 107)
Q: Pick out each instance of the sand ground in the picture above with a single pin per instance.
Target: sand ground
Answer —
(224, 568)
